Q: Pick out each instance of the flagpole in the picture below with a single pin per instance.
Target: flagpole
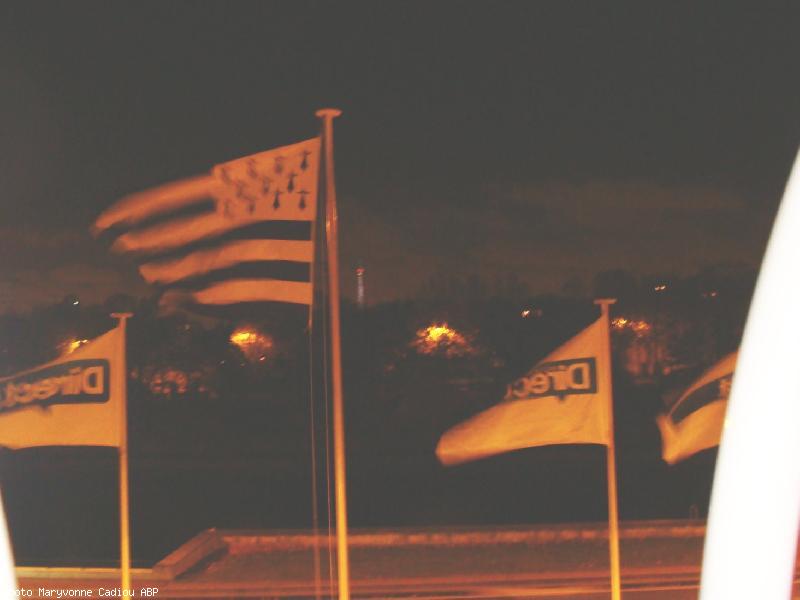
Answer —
(331, 229)
(311, 412)
(124, 525)
(611, 462)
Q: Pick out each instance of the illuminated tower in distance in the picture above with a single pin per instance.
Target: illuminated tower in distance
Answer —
(360, 286)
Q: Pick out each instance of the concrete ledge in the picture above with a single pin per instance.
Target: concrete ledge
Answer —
(216, 545)
(200, 548)
(246, 542)
(79, 573)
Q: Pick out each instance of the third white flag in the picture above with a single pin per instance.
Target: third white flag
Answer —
(695, 421)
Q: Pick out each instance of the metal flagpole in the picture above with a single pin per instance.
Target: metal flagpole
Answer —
(611, 462)
(331, 229)
(124, 525)
(312, 415)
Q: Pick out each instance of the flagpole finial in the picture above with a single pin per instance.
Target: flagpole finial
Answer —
(329, 113)
(604, 303)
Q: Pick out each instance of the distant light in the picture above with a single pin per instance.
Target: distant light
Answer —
(619, 323)
(168, 381)
(243, 338)
(440, 338)
(78, 343)
(526, 313)
(71, 345)
(660, 288)
(76, 302)
(361, 293)
(439, 333)
(639, 327)
(254, 345)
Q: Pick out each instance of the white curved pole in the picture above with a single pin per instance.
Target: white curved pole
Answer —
(755, 502)
(8, 580)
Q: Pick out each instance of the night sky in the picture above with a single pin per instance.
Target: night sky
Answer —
(553, 141)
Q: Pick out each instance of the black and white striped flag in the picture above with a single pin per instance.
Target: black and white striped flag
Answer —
(241, 234)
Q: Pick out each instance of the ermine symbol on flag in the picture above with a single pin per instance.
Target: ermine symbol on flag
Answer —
(246, 185)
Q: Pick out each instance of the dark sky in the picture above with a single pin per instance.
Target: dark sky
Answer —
(551, 140)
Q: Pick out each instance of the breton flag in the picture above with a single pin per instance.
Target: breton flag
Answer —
(560, 401)
(695, 421)
(77, 400)
(241, 234)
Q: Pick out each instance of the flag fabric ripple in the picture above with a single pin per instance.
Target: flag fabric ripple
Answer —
(241, 234)
(695, 421)
(559, 401)
(76, 400)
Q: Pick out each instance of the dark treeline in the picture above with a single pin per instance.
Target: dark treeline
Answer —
(220, 432)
